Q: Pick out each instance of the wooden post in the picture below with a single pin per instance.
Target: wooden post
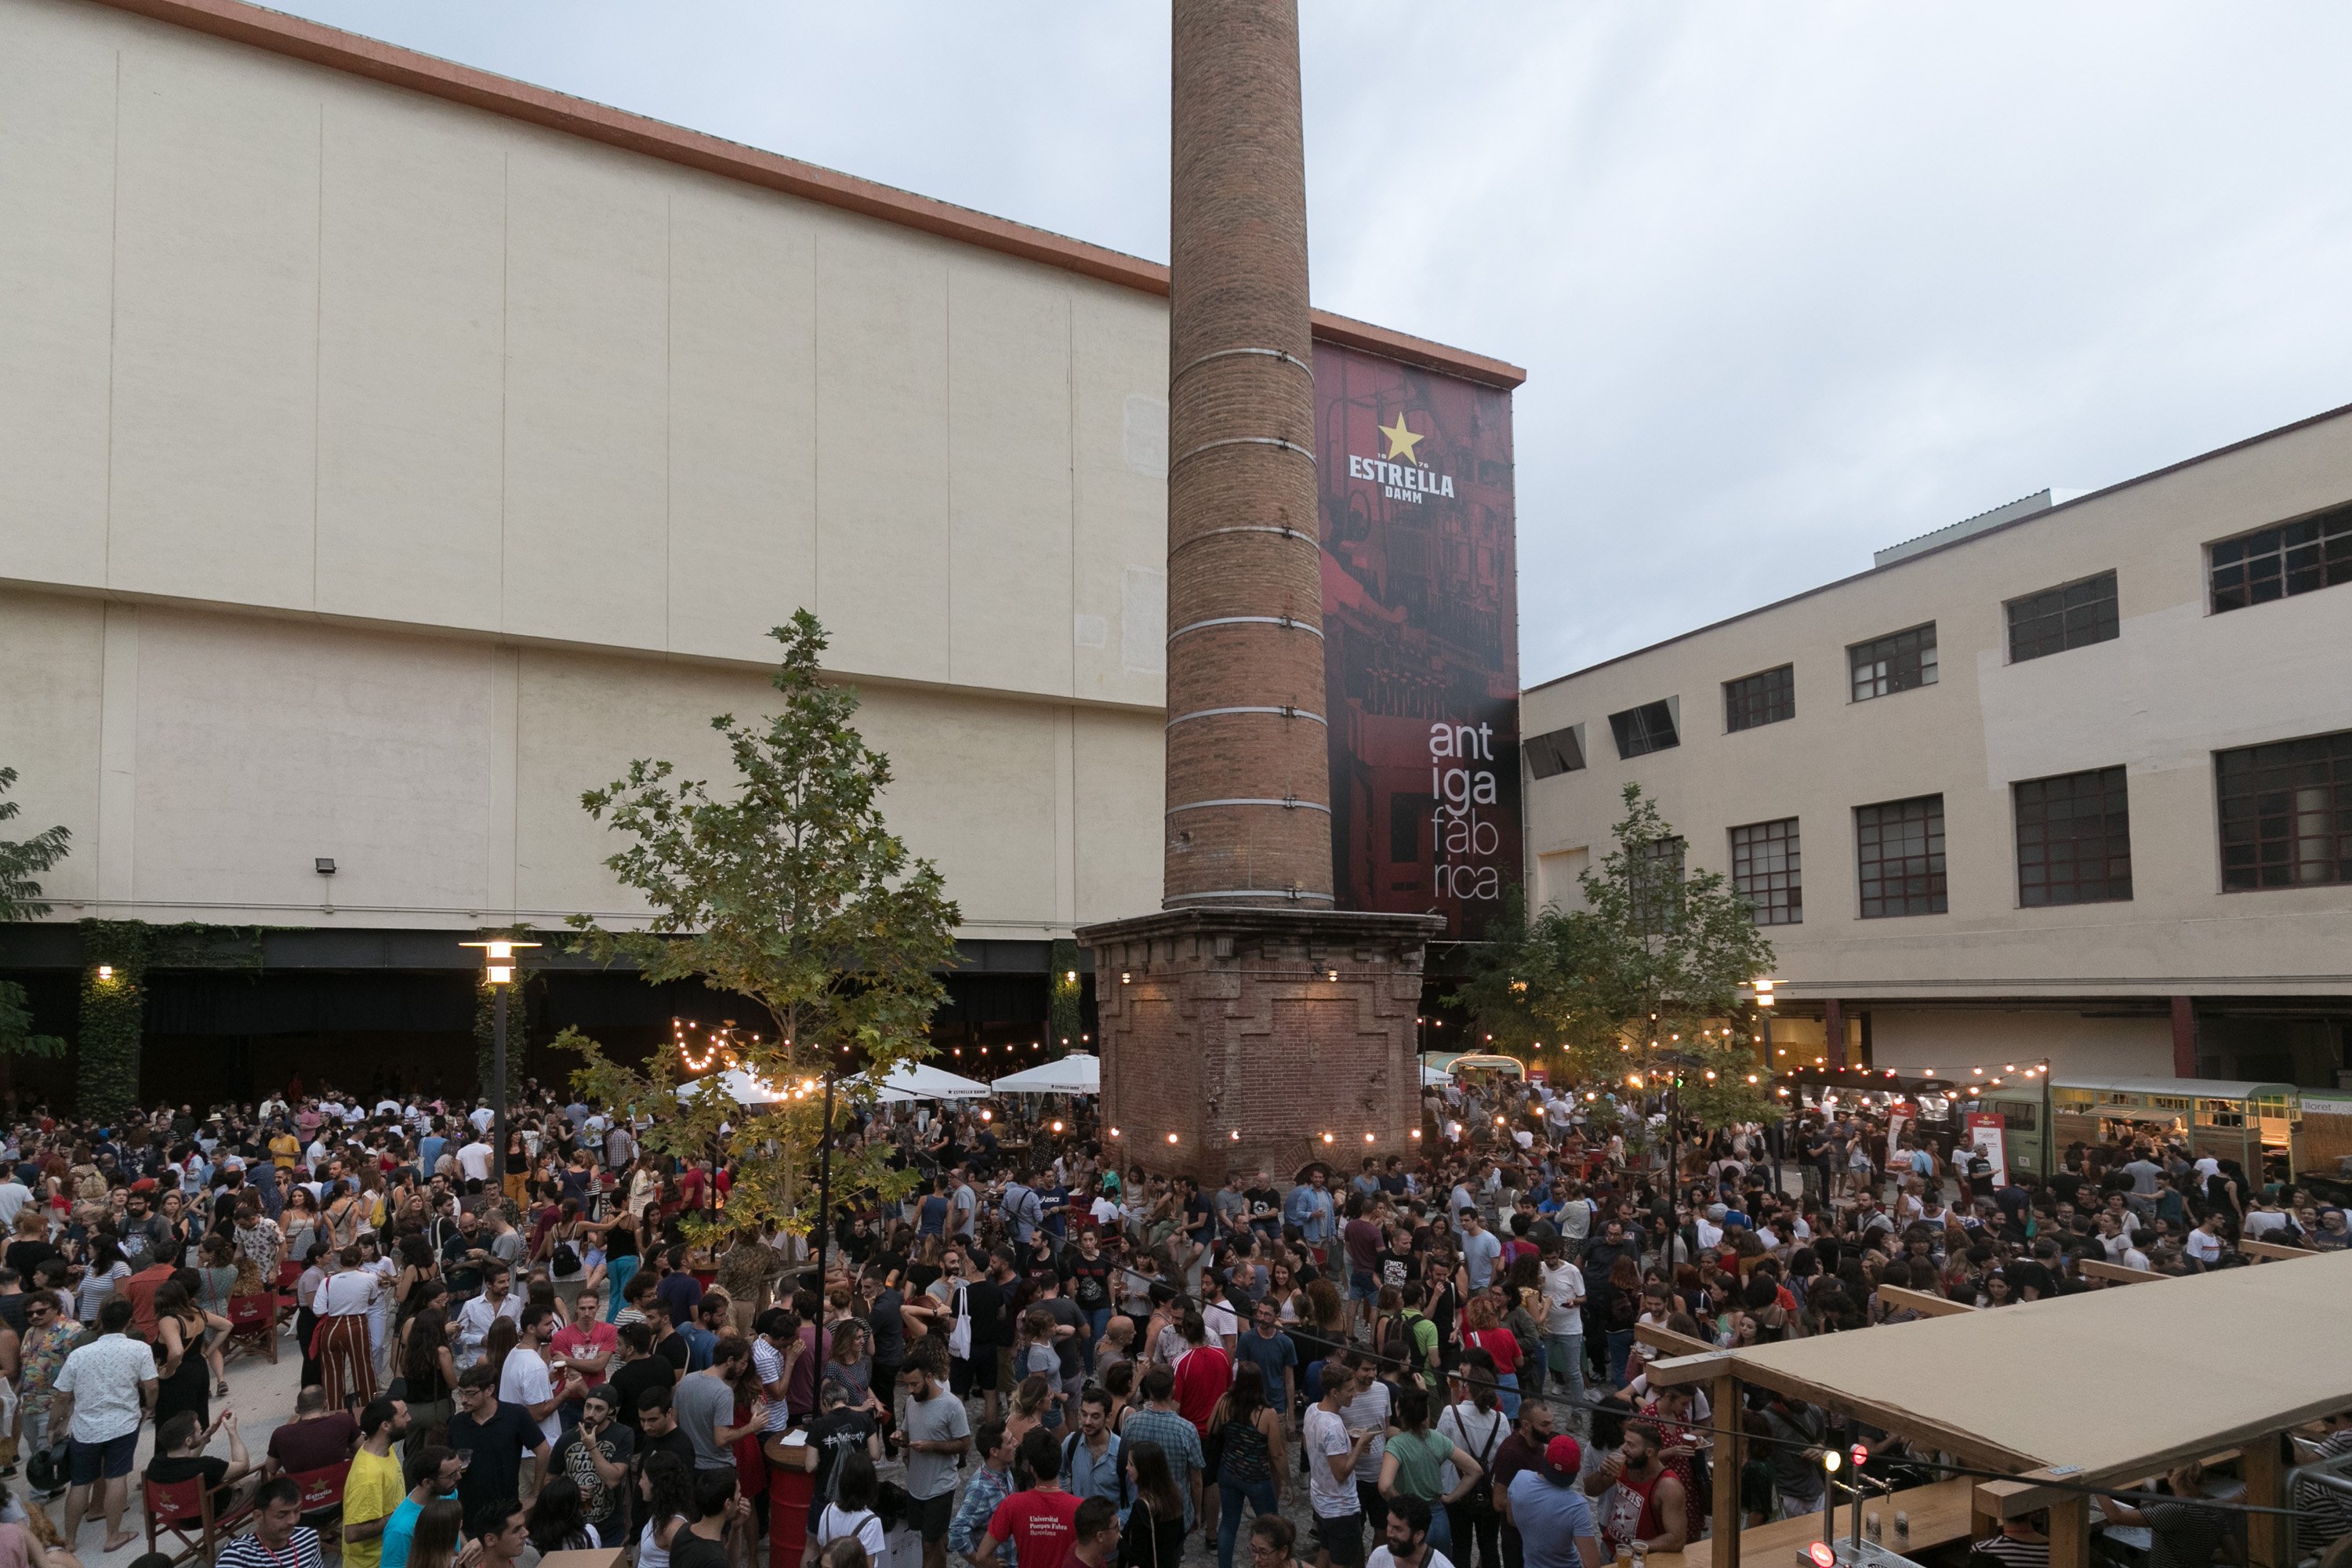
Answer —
(1724, 1398)
(2070, 1532)
(2265, 1532)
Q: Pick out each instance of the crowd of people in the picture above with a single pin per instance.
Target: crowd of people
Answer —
(1036, 1356)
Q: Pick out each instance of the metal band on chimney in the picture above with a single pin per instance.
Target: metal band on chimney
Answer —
(1292, 622)
(1208, 533)
(1288, 803)
(1294, 895)
(1285, 710)
(1226, 354)
(1247, 441)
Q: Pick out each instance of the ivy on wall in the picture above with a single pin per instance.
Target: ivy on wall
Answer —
(113, 1015)
(1062, 1019)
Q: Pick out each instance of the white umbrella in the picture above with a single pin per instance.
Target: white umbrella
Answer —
(1079, 1074)
(919, 1080)
(736, 1085)
(1431, 1075)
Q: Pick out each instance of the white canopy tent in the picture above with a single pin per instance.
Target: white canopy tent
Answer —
(920, 1080)
(736, 1084)
(1076, 1073)
(1433, 1076)
(746, 1090)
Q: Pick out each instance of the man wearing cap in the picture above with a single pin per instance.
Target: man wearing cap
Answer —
(1549, 1512)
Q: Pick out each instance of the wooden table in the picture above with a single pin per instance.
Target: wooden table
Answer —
(1939, 1514)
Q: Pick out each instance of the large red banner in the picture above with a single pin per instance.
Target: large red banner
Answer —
(1421, 639)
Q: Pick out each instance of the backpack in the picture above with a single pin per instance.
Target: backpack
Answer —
(1479, 1500)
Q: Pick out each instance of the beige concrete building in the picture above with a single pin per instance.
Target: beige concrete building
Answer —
(389, 452)
(2071, 781)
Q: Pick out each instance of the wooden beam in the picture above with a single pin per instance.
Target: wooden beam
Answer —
(1923, 1302)
(1997, 1500)
(1673, 1343)
(1894, 1418)
(2070, 1532)
(2119, 1274)
(1725, 1413)
(2271, 1252)
(2265, 1532)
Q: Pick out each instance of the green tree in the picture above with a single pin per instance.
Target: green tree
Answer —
(1647, 974)
(22, 863)
(1065, 1023)
(787, 889)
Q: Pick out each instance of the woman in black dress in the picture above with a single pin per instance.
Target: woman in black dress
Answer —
(182, 1382)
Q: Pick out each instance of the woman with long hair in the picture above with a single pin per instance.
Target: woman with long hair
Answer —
(300, 1222)
(1321, 1332)
(346, 1359)
(666, 1503)
(1475, 1423)
(107, 1267)
(1250, 1434)
(426, 1368)
(1027, 1408)
(850, 1515)
(621, 1260)
(1486, 1332)
(343, 1217)
(183, 1381)
(498, 1344)
(1154, 1536)
(433, 1543)
(1625, 1306)
(417, 1266)
(557, 1520)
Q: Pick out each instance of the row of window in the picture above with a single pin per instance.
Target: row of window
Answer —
(2251, 569)
(2285, 822)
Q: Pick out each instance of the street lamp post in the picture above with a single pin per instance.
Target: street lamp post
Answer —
(499, 968)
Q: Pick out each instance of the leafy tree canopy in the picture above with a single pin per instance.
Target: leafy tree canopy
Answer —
(788, 891)
(22, 863)
(1647, 976)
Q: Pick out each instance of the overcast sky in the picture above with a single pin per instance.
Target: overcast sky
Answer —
(1790, 282)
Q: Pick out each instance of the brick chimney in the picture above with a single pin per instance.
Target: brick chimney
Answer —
(1249, 798)
(1249, 1024)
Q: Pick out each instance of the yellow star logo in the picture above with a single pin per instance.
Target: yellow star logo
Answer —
(1401, 441)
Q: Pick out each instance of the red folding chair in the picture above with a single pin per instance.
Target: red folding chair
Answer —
(253, 1323)
(185, 1506)
(323, 1489)
(289, 1276)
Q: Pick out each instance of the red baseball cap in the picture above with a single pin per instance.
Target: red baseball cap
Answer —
(1564, 1453)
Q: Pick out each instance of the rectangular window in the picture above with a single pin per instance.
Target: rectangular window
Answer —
(2059, 618)
(1765, 699)
(2073, 839)
(1899, 846)
(1655, 877)
(1892, 664)
(1765, 871)
(2277, 562)
(2286, 812)
(1643, 730)
(1556, 751)
(1407, 812)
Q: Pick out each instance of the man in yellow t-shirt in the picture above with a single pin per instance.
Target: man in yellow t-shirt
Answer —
(285, 1149)
(374, 1487)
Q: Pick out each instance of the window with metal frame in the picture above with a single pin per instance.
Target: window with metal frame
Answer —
(2074, 838)
(2074, 615)
(2280, 560)
(2286, 812)
(1655, 875)
(1899, 850)
(1765, 698)
(1643, 730)
(1554, 751)
(1896, 662)
(1768, 871)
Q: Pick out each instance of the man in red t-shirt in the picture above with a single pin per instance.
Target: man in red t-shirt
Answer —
(1042, 1522)
(1204, 1372)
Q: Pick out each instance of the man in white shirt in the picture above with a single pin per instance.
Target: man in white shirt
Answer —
(1562, 1284)
(475, 1317)
(1334, 1451)
(473, 1161)
(2204, 1242)
(526, 1381)
(481, 1117)
(1404, 1542)
(13, 1196)
(103, 1393)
